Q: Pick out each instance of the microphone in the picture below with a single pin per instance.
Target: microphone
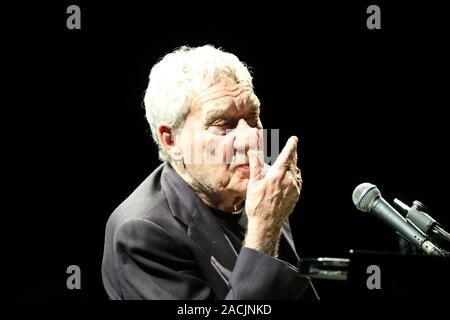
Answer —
(367, 198)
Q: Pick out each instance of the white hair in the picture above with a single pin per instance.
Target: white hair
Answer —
(179, 75)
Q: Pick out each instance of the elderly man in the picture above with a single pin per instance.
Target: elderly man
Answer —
(211, 222)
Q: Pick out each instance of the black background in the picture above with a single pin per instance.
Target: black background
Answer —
(367, 105)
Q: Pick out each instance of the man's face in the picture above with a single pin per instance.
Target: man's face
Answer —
(224, 124)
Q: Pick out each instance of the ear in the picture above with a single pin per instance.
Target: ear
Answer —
(167, 139)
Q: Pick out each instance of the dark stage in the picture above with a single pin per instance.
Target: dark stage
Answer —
(367, 106)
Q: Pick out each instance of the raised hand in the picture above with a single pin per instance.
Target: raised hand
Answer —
(271, 198)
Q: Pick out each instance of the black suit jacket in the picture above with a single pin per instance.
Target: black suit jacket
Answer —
(163, 242)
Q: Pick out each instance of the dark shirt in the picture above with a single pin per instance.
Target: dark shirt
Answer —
(234, 226)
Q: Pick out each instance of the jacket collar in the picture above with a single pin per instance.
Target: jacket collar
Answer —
(201, 224)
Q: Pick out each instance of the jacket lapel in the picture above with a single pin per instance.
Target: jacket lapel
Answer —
(216, 254)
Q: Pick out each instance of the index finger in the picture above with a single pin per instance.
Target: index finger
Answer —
(287, 155)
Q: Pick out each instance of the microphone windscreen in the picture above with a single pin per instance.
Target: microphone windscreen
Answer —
(364, 195)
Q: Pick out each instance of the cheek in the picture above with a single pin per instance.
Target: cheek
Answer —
(218, 146)
(227, 147)
(189, 147)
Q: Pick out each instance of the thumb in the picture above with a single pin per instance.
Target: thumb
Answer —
(256, 165)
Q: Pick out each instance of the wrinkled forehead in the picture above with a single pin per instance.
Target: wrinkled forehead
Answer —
(225, 96)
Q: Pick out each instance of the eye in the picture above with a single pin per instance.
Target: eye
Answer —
(220, 123)
(220, 126)
(253, 122)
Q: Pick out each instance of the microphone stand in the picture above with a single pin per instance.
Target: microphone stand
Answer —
(417, 216)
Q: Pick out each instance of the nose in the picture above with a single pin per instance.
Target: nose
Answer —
(245, 138)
